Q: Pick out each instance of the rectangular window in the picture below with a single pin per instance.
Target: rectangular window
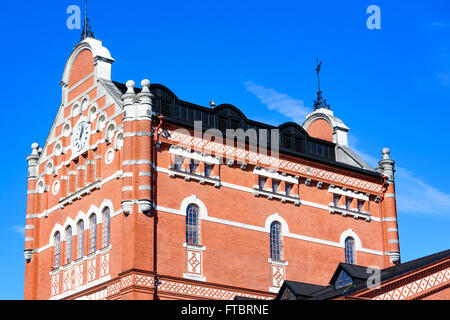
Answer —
(360, 205)
(178, 163)
(336, 199)
(208, 170)
(275, 185)
(348, 203)
(193, 166)
(262, 182)
(288, 188)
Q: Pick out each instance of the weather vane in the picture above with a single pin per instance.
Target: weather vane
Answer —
(87, 32)
(319, 102)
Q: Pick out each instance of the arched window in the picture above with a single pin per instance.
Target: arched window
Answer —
(192, 225)
(57, 250)
(350, 250)
(68, 244)
(92, 233)
(80, 239)
(276, 245)
(106, 225)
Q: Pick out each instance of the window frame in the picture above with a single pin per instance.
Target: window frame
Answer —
(106, 227)
(68, 249)
(193, 224)
(92, 233)
(80, 239)
(276, 241)
(57, 249)
(350, 253)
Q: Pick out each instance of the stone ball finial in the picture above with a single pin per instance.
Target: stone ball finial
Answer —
(145, 84)
(35, 147)
(386, 153)
(130, 86)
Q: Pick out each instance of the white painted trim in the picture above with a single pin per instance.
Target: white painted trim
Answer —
(275, 175)
(194, 277)
(194, 247)
(176, 150)
(276, 217)
(350, 233)
(348, 193)
(193, 199)
(274, 289)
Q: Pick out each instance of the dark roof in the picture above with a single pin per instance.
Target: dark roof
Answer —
(359, 276)
(243, 298)
(301, 289)
(354, 271)
(401, 269)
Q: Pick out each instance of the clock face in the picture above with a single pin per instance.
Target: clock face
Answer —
(81, 135)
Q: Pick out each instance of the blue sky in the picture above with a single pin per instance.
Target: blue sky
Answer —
(390, 86)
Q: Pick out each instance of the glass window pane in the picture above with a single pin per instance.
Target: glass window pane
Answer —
(192, 225)
(80, 239)
(350, 251)
(275, 241)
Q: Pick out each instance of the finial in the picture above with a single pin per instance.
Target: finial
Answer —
(87, 31)
(319, 102)
(145, 96)
(212, 104)
(130, 95)
(130, 86)
(386, 153)
(35, 148)
(145, 85)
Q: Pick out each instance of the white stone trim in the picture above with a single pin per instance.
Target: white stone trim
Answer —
(348, 193)
(278, 262)
(275, 175)
(198, 156)
(194, 247)
(276, 217)
(194, 277)
(193, 199)
(350, 233)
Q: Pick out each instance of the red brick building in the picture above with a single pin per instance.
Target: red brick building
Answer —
(137, 194)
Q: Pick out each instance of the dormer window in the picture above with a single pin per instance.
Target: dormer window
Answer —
(343, 280)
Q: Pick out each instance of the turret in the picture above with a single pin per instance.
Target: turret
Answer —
(389, 208)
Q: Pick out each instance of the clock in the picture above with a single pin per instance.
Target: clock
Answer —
(81, 136)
